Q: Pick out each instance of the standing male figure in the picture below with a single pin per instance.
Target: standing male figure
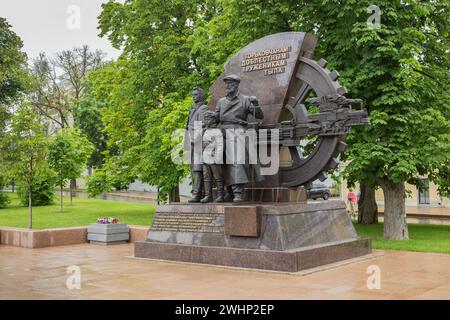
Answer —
(232, 113)
(196, 113)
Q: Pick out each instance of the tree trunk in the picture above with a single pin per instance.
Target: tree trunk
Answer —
(70, 193)
(30, 209)
(72, 188)
(395, 227)
(61, 198)
(174, 195)
(157, 196)
(367, 206)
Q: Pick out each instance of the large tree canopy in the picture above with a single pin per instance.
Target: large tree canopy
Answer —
(399, 68)
(13, 71)
(24, 149)
(14, 78)
(60, 81)
(155, 73)
(168, 48)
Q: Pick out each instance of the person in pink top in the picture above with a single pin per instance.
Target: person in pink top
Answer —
(351, 199)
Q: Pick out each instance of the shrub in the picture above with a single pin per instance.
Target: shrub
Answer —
(43, 192)
(98, 183)
(4, 200)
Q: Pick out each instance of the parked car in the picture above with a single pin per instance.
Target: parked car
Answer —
(318, 190)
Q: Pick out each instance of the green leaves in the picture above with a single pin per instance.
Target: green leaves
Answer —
(24, 146)
(400, 71)
(68, 153)
(98, 183)
(14, 77)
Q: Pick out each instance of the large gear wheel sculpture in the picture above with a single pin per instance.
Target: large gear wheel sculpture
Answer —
(284, 93)
(313, 77)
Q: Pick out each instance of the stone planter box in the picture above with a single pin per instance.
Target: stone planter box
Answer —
(106, 234)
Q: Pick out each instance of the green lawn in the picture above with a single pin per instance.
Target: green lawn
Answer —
(81, 213)
(422, 237)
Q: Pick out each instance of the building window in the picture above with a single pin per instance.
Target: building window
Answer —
(424, 194)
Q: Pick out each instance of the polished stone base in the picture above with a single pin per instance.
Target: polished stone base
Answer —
(288, 261)
(284, 237)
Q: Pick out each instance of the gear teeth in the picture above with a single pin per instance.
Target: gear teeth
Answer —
(291, 100)
(341, 90)
(322, 63)
(307, 185)
(341, 146)
(334, 75)
(322, 176)
(334, 162)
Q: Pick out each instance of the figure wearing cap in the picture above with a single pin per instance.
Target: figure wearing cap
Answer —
(232, 112)
(196, 113)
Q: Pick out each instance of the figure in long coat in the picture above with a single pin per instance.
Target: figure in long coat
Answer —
(232, 112)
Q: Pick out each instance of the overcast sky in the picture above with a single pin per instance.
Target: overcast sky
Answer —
(55, 25)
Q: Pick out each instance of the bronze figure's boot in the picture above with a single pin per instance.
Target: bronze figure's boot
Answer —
(238, 197)
(198, 184)
(208, 193)
(229, 195)
(238, 190)
(220, 192)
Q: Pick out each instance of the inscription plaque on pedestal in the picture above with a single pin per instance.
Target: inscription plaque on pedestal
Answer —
(188, 222)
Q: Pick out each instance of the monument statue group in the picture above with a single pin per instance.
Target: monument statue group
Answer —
(250, 165)
(232, 111)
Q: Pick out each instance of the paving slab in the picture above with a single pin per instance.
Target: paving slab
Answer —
(113, 273)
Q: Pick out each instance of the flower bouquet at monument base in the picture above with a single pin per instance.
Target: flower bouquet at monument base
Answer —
(105, 220)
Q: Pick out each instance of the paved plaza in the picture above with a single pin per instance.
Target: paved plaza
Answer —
(112, 273)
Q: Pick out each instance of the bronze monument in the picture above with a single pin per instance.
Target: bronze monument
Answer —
(274, 89)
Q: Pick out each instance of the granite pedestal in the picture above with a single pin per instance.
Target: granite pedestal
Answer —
(284, 236)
